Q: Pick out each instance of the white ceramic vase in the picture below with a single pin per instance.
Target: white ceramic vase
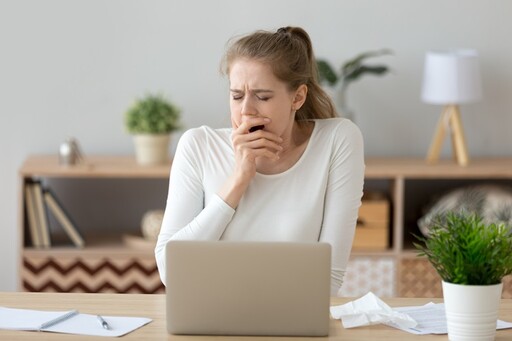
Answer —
(152, 149)
(471, 311)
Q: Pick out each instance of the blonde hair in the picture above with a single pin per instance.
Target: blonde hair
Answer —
(289, 53)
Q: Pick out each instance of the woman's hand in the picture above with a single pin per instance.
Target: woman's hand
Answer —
(249, 143)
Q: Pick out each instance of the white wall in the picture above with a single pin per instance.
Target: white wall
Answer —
(70, 68)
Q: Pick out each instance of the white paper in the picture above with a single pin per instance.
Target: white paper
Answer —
(81, 324)
(369, 310)
(431, 319)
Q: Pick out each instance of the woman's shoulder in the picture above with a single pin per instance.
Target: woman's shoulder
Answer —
(205, 137)
(337, 127)
(339, 135)
(204, 134)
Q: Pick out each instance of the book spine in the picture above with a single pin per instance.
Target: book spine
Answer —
(32, 216)
(63, 219)
(41, 214)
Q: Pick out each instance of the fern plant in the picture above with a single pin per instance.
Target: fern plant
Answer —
(349, 72)
(352, 69)
(152, 114)
(464, 250)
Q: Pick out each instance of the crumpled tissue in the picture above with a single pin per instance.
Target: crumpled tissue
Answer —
(369, 310)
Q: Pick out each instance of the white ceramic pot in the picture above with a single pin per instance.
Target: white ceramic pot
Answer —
(152, 149)
(471, 311)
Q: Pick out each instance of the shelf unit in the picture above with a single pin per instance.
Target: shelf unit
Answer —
(408, 184)
(105, 264)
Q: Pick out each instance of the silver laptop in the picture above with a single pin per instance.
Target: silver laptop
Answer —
(248, 288)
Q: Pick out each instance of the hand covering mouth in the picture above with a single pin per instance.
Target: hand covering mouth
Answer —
(253, 129)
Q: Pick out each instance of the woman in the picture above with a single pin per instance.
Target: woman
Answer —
(287, 169)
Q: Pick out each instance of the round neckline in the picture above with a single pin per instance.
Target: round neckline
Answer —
(299, 161)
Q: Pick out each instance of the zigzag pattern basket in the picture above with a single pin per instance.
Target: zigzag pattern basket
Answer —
(113, 274)
(418, 278)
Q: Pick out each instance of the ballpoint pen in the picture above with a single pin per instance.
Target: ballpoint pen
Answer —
(104, 323)
(59, 319)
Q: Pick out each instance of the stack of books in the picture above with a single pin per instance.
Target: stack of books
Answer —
(39, 203)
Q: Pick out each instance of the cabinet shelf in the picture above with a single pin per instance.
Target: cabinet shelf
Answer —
(406, 183)
(106, 263)
(106, 245)
(93, 167)
(416, 168)
(410, 183)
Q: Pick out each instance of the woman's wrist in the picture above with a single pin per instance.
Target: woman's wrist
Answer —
(233, 190)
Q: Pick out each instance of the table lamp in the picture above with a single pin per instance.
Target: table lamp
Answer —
(451, 78)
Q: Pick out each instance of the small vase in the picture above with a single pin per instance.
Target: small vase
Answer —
(471, 311)
(152, 149)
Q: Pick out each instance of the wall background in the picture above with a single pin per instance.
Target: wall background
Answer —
(71, 68)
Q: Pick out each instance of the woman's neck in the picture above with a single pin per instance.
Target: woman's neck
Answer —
(293, 145)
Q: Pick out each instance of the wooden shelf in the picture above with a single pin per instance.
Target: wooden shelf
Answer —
(415, 168)
(105, 245)
(93, 167)
(410, 183)
(105, 264)
(405, 182)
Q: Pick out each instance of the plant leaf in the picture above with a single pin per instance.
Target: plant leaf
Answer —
(375, 70)
(465, 250)
(326, 73)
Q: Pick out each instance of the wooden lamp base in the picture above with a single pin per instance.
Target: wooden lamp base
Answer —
(450, 119)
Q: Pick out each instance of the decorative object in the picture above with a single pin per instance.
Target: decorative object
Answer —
(491, 202)
(372, 229)
(451, 78)
(151, 120)
(350, 71)
(151, 223)
(364, 274)
(472, 258)
(70, 152)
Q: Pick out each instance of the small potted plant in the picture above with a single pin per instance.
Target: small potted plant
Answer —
(471, 258)
(350, 71)
(151, 120)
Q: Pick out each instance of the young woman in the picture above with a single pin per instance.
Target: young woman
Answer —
(287, 169)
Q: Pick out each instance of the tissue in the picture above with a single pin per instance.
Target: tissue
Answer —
(369, 310)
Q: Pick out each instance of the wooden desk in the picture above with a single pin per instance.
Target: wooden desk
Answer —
(153, 306)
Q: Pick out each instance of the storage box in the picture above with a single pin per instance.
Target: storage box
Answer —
(83, 271)
(372, 230)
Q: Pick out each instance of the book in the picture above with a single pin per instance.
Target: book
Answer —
(32, 220)
(69, 322)
(42, 217)
(63, 218)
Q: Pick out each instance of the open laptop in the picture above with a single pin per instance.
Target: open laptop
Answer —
(248, 288)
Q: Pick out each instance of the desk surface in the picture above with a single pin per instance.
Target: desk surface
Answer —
(153, 306)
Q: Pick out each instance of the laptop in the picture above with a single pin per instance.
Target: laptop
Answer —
(248, 288)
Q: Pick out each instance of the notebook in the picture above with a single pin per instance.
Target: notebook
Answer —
(68, 322)
(248, 288)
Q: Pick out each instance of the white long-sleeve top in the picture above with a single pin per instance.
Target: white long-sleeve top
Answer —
(317, 199)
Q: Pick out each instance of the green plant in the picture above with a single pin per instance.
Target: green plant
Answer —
(464, 250)
(152, 114)
(352, 69)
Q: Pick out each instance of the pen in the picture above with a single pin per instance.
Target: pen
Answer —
(59, 319)
(104, 323)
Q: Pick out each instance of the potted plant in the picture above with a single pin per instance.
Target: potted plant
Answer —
(471, 258)
(350, 71)
(151, 120)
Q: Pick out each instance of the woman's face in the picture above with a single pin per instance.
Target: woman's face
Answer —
(255, 91)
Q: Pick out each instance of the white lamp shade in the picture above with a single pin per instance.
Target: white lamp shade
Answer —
(451, 77)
